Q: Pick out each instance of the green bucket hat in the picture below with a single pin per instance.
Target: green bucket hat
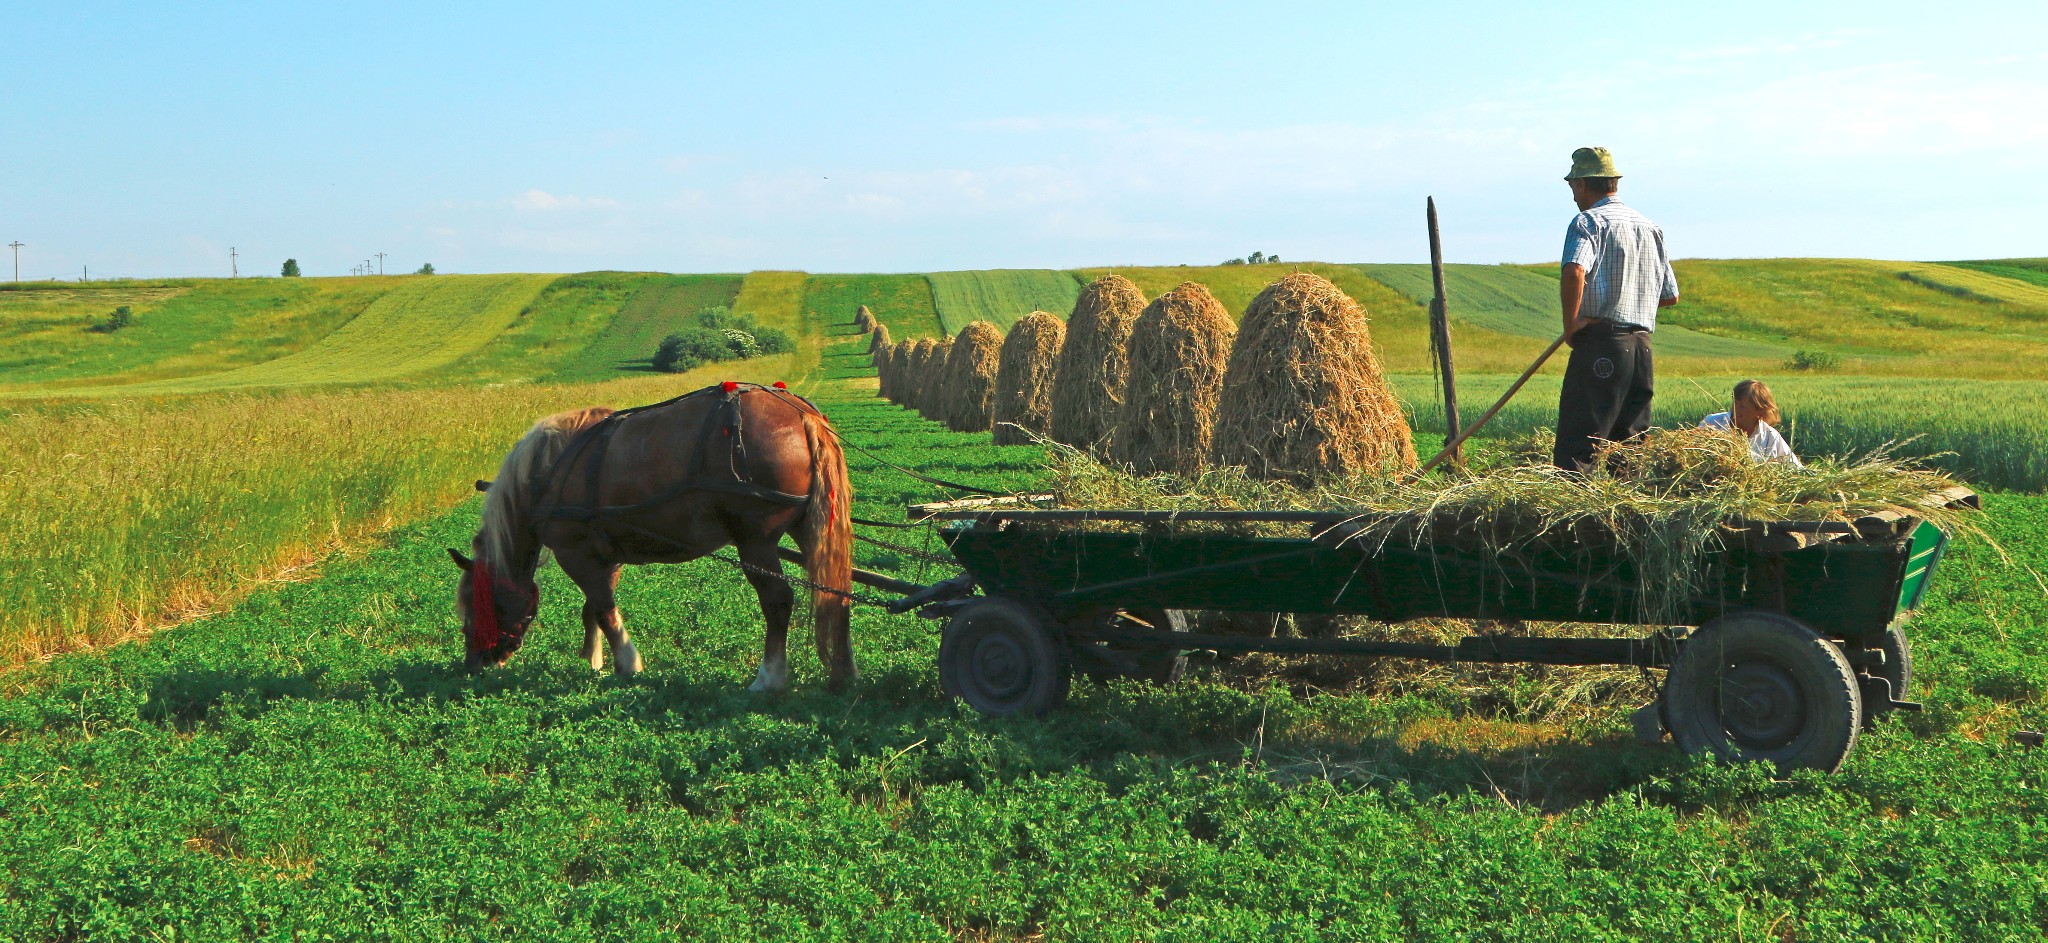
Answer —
(1592, 162)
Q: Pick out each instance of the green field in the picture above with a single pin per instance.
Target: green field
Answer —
(1520, 302)
(903, 302)
(658, 306)
(2031, 271)
(293, 752)
(1000, 296)
(417, 326)
(181, 327)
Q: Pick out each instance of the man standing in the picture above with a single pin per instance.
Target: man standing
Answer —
(1615, 277)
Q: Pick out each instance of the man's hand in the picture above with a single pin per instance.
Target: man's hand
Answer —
(1571, 288)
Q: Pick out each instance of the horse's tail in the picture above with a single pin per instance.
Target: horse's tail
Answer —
(827, 538)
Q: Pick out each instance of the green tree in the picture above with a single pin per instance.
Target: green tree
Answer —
(291, 269)
(120, 318)
(427, 269)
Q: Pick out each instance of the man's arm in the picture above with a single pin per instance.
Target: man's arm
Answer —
(1571, 289)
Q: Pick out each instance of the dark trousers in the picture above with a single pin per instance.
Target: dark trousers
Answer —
(1606, 395)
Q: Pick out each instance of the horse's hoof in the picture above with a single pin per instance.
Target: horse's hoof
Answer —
(626, 660)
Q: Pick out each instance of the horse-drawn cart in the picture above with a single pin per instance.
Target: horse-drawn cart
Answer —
(1797, 643)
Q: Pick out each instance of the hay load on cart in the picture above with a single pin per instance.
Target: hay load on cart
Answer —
(1772, 598)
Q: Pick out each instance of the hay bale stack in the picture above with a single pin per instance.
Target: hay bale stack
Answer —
(1179, 348)
(1094, 362)
(879, 340)
(931, 382)
(881, 361)
(910, 374)
(864, 319)
(970, 379)
(1304, 399)
(899, 367)
(1024, 379)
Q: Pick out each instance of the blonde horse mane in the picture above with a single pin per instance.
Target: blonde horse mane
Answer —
(508, 501)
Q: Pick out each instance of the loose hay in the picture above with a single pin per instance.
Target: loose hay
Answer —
(1665, 503)
(864, 319)
(1304, 398)
(1094, 362)
(1178, 350)
(1024, 378)
(879, 340)
(931, 381)
(970, 380)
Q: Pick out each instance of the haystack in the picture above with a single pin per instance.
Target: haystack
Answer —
(864, 319)
(970, 383)
(909, 385)
(1024, 378)
(880, 358)
(931, 381)
(1094, 362)
(879, 340)
(1304, 398)
(1179, 347)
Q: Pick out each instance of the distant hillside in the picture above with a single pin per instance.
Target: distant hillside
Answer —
(1000, 296)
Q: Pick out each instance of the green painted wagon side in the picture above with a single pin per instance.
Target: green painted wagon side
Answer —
(1845, 588)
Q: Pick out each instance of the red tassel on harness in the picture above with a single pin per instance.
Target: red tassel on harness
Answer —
(729, 386)
(483, 609)
(781, 385)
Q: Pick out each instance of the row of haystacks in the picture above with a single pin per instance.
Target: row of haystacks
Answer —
(1292, 393)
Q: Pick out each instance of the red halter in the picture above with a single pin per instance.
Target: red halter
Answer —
(483, 609)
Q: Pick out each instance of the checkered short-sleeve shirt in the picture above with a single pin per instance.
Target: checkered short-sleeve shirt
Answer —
(1627, 272)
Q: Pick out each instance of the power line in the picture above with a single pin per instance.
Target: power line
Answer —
(16, 246)
(234, 271)
(380, 263)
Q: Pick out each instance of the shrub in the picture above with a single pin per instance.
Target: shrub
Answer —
(426, 269)
(120, 317)
(716, 334)
(1814, 360)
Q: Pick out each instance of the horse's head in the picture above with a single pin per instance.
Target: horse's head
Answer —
(496, 609)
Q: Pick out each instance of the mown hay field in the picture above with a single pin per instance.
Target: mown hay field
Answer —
(180, 327)
(265, 771)
(419, 325)
(655, 307)
(1000, 296)
(903, 302)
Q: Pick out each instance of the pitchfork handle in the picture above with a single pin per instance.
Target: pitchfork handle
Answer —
(1452, 445)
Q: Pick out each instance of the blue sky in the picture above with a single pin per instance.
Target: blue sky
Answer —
(144, 140)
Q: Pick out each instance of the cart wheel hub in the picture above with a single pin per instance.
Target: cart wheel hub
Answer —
(1762, 706)
(1001, 666)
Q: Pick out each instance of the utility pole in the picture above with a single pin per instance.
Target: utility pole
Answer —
(234, 271)
(380, 263)
(16, 246)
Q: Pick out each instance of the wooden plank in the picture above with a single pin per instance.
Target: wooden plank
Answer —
(1440, 340)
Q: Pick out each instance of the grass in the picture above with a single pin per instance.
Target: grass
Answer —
(1000, 296)
(1517, 301)
(182, 327)
(657, 306)
(903, 302)
(310, 763)
(124, 513)
(2031, 271)
(418, 326)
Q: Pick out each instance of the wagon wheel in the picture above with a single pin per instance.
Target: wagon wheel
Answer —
(1760, 686)
(1161, 666)
(1001, 659)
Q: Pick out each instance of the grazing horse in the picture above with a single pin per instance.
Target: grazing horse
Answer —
(735, 464)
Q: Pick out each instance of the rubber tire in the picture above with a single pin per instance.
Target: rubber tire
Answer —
(1817, 711)
(1000, 658)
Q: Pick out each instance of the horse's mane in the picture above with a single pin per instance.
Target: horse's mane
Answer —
(508, 501)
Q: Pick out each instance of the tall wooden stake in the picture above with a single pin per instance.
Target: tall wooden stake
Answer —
(1440, 340)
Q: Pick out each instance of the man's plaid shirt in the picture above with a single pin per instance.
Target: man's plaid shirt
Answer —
(1627, 272)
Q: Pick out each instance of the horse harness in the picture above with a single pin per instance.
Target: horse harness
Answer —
(707, 477)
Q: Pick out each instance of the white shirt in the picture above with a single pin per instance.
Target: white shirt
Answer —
(1765, 444)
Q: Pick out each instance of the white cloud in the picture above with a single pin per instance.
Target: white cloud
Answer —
(537, 200)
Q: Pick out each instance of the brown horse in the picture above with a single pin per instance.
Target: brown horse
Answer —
(735, 464)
